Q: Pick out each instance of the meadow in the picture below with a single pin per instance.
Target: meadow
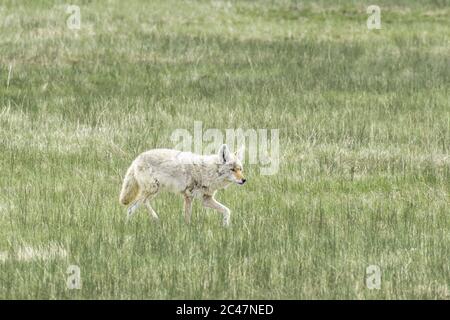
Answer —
(364, 122)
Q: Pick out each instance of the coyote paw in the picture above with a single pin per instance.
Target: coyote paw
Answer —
(226, 222)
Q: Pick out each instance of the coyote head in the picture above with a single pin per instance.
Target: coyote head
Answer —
(231, 164)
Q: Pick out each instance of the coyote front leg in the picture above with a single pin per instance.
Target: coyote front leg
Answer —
(210, 202)
(187, 208)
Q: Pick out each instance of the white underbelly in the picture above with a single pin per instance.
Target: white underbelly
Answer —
(171, 184)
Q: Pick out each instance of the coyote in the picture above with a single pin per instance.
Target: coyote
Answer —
(186, 173)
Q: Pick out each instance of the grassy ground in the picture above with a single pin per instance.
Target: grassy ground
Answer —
(364, 119)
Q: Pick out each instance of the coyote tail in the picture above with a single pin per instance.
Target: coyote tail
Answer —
(130, 187)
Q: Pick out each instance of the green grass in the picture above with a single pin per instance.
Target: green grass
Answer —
(364, 119)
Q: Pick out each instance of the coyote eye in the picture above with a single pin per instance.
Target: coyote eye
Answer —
(233, 169)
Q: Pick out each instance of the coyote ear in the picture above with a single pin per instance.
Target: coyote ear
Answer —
(224, 154)
(240, 153)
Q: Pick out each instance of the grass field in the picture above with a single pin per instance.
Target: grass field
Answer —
(364, 120)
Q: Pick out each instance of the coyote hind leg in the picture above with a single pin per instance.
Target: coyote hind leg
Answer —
(132, 208)
(152, 212)
(148, 188)
(143, 199)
